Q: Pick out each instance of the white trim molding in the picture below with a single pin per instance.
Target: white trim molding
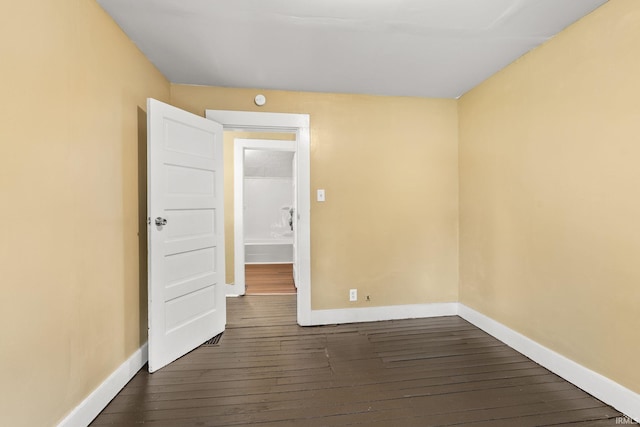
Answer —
(375, 314)
(599, 386)
(91, 407)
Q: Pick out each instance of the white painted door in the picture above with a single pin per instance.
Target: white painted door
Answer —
(294, 218)
(186, 232)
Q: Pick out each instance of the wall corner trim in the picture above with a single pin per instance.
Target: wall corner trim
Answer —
(91, 407)
(599, 386)
(375, 314)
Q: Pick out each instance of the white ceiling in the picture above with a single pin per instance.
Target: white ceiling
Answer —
(266, 163)
(432, 48)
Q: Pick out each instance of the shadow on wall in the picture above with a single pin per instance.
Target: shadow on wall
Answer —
(142, 222)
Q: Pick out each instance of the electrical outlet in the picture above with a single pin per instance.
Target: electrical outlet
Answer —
(353, 295)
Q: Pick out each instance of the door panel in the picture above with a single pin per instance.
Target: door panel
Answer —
(186, 254)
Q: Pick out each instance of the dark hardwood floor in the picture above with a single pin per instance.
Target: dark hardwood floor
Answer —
(267, 371)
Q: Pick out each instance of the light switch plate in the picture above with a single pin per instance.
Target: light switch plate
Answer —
(320, 197)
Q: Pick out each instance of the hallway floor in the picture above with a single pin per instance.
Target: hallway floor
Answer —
(269, 279)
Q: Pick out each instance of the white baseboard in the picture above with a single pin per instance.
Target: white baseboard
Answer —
(232, 290)
(608, 391)
(90, 407)
(374, 314)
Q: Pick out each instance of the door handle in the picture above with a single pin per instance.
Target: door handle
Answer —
(291, 218)
(161, 221)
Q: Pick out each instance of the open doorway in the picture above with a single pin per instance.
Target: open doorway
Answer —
(296, 125)
(265, 225)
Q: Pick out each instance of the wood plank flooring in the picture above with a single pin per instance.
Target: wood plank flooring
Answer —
(269, 279)
(267, 371)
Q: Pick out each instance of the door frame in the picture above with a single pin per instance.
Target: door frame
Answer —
(241, 144)
(253, 121)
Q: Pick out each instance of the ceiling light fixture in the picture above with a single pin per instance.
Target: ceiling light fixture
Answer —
(260, 100)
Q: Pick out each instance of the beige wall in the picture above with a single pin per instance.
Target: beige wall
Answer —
(549, 178)
(389, 168)
(72, 305)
